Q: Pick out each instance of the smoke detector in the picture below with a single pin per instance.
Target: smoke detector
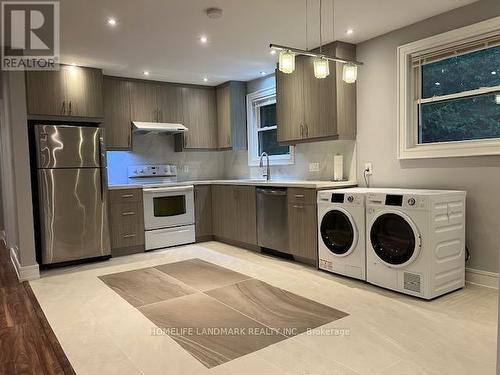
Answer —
(214, 13)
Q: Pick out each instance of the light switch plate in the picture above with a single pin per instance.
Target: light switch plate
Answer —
(313, 167)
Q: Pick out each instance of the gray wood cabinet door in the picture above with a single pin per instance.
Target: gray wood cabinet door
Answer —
(200, 117)
(302, 229)
(290, 103)
(245, 214)
(143, 100)
(170, 106)
(45, 91)
(224, 116)
(203, 212)
(84, 88)
(319, 103)
(117, 120)
(223, 211)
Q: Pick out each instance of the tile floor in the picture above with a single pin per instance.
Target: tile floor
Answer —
(385, 333)
(228, 315)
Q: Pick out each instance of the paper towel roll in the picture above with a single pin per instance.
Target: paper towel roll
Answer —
(338, 167)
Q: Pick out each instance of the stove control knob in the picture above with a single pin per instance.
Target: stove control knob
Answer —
(411, 201)
(350, 199)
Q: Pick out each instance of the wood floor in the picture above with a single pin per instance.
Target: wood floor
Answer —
(27, 343)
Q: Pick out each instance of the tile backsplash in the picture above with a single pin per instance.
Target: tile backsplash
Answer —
(159, 149)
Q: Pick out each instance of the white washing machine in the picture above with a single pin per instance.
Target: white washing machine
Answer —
(415, 240)
(341, 232)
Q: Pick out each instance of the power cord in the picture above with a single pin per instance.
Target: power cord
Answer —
(365, 176)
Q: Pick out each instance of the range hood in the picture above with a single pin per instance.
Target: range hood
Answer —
(158, 127)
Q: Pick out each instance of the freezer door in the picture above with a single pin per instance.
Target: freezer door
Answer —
(73, 215)
(64, 146)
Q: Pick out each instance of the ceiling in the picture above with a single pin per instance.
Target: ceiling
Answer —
(162, 36)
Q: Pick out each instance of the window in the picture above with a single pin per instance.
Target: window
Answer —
(263, 130)
(449, 93)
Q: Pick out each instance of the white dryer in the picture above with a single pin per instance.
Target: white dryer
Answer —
(415, 240)
(341, 232)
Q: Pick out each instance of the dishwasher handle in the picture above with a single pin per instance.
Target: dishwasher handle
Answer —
(268, 191)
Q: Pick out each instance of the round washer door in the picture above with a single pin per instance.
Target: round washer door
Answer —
(395, 239)
(338, 232)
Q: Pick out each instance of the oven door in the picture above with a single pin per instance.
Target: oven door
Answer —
(168, 207)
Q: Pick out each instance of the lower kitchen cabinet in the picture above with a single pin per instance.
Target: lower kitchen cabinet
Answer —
(126, 221)
(302, 230)
(203, 212)
(234, 213)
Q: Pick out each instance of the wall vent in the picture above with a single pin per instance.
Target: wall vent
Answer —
(412, 282)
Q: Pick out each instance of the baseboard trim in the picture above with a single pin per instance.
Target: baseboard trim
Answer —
(483, 278)
(24, 273)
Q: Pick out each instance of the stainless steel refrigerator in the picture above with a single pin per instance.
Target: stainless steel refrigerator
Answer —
(72, 193)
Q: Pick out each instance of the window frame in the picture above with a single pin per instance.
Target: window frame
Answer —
(267, 96)
(408, 85)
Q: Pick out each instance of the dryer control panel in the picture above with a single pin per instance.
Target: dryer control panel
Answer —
(408, 201)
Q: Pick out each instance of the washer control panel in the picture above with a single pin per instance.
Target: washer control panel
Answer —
(341, 198)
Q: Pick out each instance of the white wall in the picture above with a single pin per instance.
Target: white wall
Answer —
(15, 169)
(377, 135)
(236, 162)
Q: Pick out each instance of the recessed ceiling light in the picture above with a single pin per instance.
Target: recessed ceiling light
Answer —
(263, 73)
(203, 39)
(205, 79)
(273, 52)
(349, 31)
(112, 21)
(493, 72)
(146, 73)
(437, 83)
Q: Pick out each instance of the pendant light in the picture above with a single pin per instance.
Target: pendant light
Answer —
(286, 63)
(321, 65)
(349, 73)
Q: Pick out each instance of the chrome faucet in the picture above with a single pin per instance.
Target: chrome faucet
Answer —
(267, 174)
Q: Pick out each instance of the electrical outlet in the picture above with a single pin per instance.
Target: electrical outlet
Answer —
(313, 167)
(369, 168)
(185, 169)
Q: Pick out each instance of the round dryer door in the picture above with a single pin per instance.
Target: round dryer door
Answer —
(394, 239)
(338, 232)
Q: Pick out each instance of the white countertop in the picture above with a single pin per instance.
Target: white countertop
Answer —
(276, 183)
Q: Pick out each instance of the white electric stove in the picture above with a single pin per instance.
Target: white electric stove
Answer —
(168, 208)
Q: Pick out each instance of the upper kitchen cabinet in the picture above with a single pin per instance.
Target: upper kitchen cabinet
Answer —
(117, 118)
(143, 101)
(313, 109)
(200, 117)
(170, 103)
(231, 115)
(70, 92)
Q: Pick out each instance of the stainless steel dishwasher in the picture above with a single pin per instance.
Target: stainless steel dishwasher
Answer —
(272, 218)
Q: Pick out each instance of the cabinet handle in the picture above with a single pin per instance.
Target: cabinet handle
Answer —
(63, 108)
(69, 107)
(128, 213)
(299, 195)
(127, 195)
(129, 235)
(298, 206)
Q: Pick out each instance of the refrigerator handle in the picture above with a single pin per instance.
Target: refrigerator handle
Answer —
(101, 160)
